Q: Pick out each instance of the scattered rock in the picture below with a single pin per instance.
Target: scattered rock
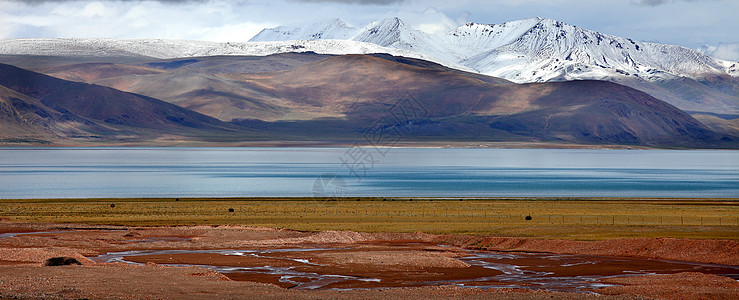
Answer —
(132, 234)
(62, 261)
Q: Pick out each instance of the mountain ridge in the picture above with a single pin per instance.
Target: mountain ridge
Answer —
(338, 99)
(359, 89)
(526, 34)
(61, 109)
(545, 50)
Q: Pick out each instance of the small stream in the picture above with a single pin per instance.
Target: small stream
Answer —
(286, 273)
(297, 267)
(538, 271)
(14, 234)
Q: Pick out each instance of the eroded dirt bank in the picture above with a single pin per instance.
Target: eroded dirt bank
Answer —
(372, 262)
(697, 250)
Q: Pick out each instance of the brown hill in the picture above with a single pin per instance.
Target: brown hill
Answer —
(362, 88)
(604, 112)
(102, 103)
(213, 85)
(23, 118)
(342, 97)
(34, 105)
(91, 72)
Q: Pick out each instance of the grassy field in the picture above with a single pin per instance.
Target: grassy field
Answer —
(583, 219)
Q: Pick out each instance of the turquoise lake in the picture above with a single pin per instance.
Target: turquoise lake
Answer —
(390, 172)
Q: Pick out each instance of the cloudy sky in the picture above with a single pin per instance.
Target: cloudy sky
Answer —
(711, 24)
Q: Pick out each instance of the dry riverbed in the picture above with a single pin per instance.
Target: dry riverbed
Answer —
(249, 262)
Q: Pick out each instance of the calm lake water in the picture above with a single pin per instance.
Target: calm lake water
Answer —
(248, 172)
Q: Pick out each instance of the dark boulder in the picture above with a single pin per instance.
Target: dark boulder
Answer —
(62, 261)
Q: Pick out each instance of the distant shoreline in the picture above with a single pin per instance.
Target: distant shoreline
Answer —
(391, 198)
(349, 144)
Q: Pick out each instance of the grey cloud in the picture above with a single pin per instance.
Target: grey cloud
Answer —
(725, 51)
(650, 2)
(656, 2)
(463, 17)
(364, 2)
(34, 2)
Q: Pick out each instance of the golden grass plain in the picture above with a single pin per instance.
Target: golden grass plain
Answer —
(559, 218)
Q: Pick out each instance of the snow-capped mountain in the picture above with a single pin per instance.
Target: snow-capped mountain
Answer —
(541, 50)
(391, 33)
(335, 29)
(553, 50)
(166, 49)
(529, 50)
(158, 48)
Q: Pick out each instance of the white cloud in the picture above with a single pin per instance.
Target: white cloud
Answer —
(93, 9)
(725, 51)
(240, 32)
(463, 17)
(431, 20)
(683, 22)
(197, 20)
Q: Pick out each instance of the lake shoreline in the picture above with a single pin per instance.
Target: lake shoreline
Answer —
(676, 200)
(349, 144)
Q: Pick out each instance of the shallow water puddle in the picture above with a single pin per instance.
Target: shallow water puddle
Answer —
(14, 234)
(574, 273)
(353, 267)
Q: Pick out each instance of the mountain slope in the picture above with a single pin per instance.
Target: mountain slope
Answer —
(570, 46)
(205, 84)
(170, 49)
(529, 50)
(597, 111)
(23, 118)
(103, 104)
(90, 72)
(362, 89)
(339, 99)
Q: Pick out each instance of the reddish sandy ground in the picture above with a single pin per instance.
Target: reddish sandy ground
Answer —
(23, 274)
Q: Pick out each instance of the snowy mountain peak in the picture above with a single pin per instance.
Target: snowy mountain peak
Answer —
(390, 25)
(483, 37)
(394, 21)
(391, 32)
(335, 29)
(527, 50)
